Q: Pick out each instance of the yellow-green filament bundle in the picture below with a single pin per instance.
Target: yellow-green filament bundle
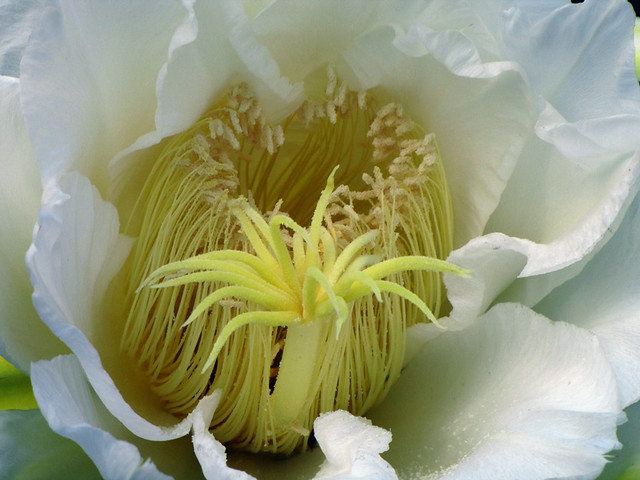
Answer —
(263, 270)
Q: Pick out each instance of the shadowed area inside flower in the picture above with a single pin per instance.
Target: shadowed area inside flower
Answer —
(228, 290)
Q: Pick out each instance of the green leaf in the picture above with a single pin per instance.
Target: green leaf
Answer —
(15, 388)
(632, 473)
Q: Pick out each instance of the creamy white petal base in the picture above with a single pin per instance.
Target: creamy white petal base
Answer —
(512, 396)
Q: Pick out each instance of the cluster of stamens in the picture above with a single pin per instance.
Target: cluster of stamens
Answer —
(288, 321)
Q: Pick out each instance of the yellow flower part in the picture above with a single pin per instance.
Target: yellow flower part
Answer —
(283, 263)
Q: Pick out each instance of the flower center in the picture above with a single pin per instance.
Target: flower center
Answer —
(282, 264)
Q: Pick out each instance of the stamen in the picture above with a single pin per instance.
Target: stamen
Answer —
(303, 309)
(323, 297)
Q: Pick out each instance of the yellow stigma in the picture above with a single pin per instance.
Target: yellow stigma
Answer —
(289, 314)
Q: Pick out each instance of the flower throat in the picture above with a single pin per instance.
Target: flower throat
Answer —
(283, 263)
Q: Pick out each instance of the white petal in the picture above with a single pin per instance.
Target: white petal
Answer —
(587, 73)
(572, 181)
(75, 242)
(19, 201)
(321, 29)
(325, 28)
(605, 298)
(210, 452)
(583, 140)
(493, 262)
(210, 51)
(31, 450)
(512, 396)
(352, 447)
(16, 21)
(89, 75)
(561, 208)
(480, 112)
(75, 254)
(67, 402)
(414, 53)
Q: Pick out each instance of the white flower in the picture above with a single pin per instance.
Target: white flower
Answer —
(536, 111)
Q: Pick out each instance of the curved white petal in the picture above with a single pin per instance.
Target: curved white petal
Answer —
(349, 449)
(576, 175)
(591, 81)
(563, 210)
(16, 21)
(505, 269)
(480, 112)
(74, 410)
(31, 450)
(210, 452)
(211, 51)
(75, 253)
(512, 396)
(417, 54)
(493, 262)
(352, 447)
(325, 28)
(581, 141)
(20, 191)
(605, 298)
(67, 402)
(89, 75)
